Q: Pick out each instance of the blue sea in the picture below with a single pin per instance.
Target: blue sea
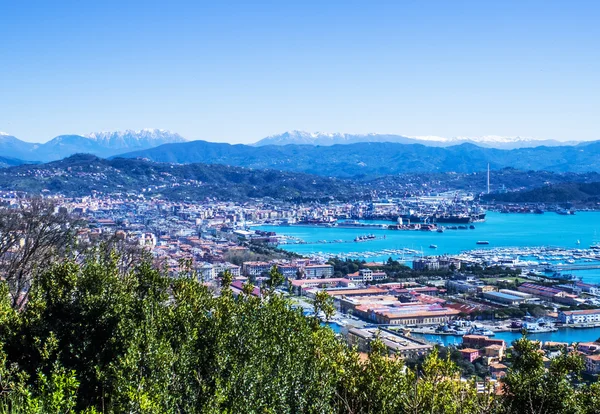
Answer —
(501, 230)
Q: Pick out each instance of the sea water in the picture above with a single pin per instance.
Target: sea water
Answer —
(499, 229)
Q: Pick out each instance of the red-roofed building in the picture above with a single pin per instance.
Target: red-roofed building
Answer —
(481, 341)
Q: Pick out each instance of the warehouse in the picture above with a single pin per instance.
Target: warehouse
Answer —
(503, 298)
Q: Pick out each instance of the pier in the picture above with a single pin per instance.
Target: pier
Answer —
(578, 266)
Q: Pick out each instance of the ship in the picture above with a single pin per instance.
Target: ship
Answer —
(453, 218)
(482, 242)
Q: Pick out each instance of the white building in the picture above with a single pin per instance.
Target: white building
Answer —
(580, 316)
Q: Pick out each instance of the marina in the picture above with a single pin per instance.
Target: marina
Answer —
(567, 335)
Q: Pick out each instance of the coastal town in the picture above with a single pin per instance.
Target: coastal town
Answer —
(465, 302)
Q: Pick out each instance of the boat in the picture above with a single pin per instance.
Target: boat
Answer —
(480, 331)
(433, 246)
(462, 227)
(539, 326)
(441, 229)
(472, 227)
(482, 242)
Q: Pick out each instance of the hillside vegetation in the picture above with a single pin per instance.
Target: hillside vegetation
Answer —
(558, 193)
(82, 175)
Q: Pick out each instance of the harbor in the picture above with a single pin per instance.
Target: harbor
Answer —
(532, 241)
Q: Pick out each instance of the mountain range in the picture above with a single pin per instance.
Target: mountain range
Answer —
(326, 139)
(103, 144)
(319, 154)
(375, 159)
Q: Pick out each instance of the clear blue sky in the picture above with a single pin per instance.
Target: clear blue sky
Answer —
(239, 71)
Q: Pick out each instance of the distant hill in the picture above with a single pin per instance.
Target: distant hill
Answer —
(85, 174)
(103, 144)
(12, 147)
(325, 139)
(378, 158)
(572, 192)
(11, 162)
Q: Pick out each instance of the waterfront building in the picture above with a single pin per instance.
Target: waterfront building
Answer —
(579, 316)
(525, 296)
(503, 298)
(397, 344)
(410, 315)
(588, 288)
(316, 271)
(551, 293)
(539, 290)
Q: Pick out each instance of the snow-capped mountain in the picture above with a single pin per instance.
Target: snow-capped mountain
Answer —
(102, 144)
(496, 141)
(325, 139)
(129, 139)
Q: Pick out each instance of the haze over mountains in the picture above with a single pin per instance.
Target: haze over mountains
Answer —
(325, 139)
(103, 144)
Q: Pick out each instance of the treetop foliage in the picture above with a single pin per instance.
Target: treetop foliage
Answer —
(93, 338)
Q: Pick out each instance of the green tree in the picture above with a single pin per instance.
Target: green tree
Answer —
(532, 389)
